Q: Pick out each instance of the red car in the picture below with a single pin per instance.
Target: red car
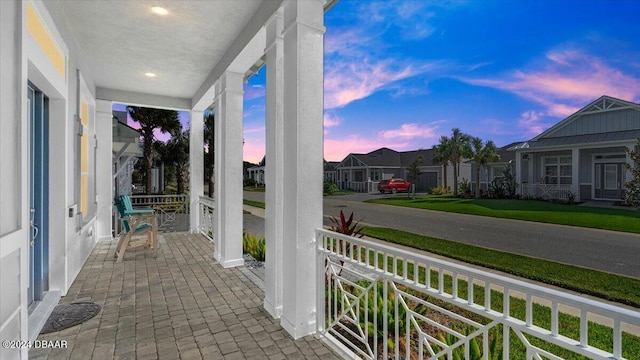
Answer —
(393, 185)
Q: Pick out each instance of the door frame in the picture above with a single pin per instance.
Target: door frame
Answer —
(620, 171)
(38, 232)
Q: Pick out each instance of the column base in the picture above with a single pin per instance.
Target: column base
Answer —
(274, 311)
(232, 263)
(299, 331)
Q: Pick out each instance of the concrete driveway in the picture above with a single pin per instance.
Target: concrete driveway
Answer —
(604, 250)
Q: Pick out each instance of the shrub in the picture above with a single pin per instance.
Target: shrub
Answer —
(330, 188)
(497, 188)
(571, 198)
(249, 182)
(347, 227)
(510, 183)
(632, 192)
(464, 189)
(253, 245)
(439, 190)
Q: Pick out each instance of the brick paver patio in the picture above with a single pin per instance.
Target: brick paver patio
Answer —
(180, 305)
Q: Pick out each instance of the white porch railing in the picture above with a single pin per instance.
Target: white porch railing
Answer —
(545, 191)
(380, 302)
(364, 186)
(206, 211)
(172, 211)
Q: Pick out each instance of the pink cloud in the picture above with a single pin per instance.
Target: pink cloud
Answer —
(348, 81)
(533, 122)
(253, 148)
(410, 131)
(253, 92)
(568, 80)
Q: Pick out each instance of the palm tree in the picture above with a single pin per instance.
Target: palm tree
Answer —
(481, 155)
(458, 149)
(178, 155)
(209, 132)
(150, 120)
(442, 153)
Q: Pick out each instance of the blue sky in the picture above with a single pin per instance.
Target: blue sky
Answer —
(402, 73)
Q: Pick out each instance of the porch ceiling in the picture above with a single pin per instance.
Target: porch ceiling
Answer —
(120, 41)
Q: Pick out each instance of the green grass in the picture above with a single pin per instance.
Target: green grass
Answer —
(613, 287)
(259, 188)
(529, 210)
(253, 203)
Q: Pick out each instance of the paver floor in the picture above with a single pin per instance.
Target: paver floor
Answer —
(180, 305)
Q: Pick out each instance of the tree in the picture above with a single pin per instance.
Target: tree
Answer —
(414, 168)
(442, 154)
(481, 155)
(209, 133)
(458, 146)
(632, 191)
(178, 155)
(151, 119)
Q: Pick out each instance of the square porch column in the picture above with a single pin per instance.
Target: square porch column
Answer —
(517, 170)
(575, 173)
(303, 161)
(196, 167)
(274, 167)
(228, 170)
(104, 164)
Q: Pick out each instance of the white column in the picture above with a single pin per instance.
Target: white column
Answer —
(575, 173)
(104, 165)
(228, 170)
(303, 161)
(196, 167)
(274, 168)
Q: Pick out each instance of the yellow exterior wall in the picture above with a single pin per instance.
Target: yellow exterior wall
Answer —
(40, 34)
(84, 194)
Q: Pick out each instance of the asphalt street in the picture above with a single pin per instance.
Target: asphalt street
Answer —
(605, 250)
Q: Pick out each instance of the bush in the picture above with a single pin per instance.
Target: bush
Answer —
(464, 189)
(253, 246)
(250, 182)
(330, 188)
(439, 190)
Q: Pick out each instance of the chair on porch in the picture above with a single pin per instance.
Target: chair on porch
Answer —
(135, 222)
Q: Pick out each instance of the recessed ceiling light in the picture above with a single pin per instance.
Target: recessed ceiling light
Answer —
(159, 10)
(150, 74)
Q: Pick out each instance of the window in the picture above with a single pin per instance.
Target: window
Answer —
(557, 170)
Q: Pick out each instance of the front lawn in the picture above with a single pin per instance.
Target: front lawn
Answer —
(529, 210)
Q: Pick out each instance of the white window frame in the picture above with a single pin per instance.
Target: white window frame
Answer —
(558, 165)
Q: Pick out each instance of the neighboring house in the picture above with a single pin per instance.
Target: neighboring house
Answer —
(331, 171)
(494, 170)
(256, 173)
(583, 154)
(363, 172)
(127, 149)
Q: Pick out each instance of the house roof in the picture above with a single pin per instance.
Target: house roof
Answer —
(604, 120)
(385, 157)
(585, 139)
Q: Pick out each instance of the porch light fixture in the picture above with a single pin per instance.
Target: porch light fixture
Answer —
(150, 74)
(159, 10)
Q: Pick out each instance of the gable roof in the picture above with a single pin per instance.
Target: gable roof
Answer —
(601, 105)
(385, 157)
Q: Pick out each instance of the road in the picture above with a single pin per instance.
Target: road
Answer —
(610, 251)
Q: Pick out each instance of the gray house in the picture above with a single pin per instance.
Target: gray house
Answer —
(363, 172)
(583, 154)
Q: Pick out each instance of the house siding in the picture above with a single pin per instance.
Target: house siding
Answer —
(620, 120)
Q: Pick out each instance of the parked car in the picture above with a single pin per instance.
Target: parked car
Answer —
(393, 185)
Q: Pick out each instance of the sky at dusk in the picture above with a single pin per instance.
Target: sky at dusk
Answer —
(402, 73)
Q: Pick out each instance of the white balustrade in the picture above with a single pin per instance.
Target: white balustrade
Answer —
(172, 210)
(376, 301)
(206, 211)
(545, 191)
